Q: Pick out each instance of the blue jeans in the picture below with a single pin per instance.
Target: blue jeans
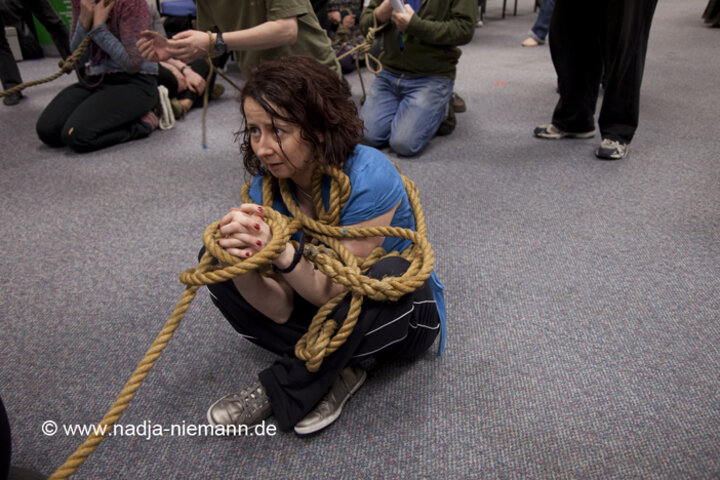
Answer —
(542, 25)
(405, 111)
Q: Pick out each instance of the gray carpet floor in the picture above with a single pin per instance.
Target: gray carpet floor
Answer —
(584, 324)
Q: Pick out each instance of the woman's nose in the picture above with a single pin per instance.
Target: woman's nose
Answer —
(264, 145)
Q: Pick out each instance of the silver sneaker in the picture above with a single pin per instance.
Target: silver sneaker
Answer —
(551, 132)
(611, 149)
(246, 407)
(330, 407)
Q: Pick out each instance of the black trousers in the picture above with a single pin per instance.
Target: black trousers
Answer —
(385, 330)
(5, 443)
(587, 38)
(88, 117)
(52, 22)
(9, 72)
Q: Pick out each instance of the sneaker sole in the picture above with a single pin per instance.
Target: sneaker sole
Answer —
(609, 157)
(556, 136)
(319, 426)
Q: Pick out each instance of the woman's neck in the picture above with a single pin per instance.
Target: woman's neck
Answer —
(303, 180)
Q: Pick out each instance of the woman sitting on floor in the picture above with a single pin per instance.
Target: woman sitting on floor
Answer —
(299, 117)
(112, 102)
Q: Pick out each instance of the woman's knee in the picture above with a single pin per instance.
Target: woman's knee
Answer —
(78, 139)
(48, 131)
(388, 267)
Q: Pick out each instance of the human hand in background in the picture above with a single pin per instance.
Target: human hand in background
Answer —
(349, 21)
(195, 82)
(334, 17)
(87, 9)
(101, 12)
(402, 20)
(153, 46)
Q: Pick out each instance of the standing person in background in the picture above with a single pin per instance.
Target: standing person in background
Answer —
(711, 15)
(587, 39)
(48, 18)
(411, 97)
(539, 31)
(9, 72)
(256, 31)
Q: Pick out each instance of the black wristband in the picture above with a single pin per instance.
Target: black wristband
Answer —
(296, 258)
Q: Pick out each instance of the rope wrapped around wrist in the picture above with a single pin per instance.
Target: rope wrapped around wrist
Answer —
(296, 258)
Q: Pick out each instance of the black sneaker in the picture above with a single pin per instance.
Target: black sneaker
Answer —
(611, 149)
(551, 132)
(458, 104)
(13, 99)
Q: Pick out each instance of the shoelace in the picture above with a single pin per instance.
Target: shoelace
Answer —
(611, 144)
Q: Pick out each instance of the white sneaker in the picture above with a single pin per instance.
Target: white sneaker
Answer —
(611, 149)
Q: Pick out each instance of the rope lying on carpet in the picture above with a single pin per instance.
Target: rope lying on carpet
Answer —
(334, 260)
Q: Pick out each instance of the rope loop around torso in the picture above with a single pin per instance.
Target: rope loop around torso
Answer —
(329, 256)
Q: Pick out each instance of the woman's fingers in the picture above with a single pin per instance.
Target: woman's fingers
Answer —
(245, 219)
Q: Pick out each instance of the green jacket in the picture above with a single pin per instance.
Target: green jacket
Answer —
(433, 35)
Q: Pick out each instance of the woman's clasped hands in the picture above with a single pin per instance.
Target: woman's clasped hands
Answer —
(244, 232)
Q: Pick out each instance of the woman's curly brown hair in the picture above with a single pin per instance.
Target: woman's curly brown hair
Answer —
(302, 91)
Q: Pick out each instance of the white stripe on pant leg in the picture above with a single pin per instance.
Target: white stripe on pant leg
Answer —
(381, 348)
(401, 316)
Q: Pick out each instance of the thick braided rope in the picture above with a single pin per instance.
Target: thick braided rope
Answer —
(342, 267)
(66, 66)
(205, 273)
(364, 48)
(321, 339)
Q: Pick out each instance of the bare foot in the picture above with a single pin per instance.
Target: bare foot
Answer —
(530, 42)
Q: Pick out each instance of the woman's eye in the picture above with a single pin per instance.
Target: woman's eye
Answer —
(254, 131)
(278, 131)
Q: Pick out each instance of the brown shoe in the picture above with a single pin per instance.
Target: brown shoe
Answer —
(177, 108)
(216, 91)
(458, 104)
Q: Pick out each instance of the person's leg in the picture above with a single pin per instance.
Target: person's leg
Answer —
(423, 106)
(111, 115)
(9, 72)
(52, 22)
(540, 30)
(624, 47)
(379, 108)
(402, 328)
(50, 124)
(5, 442)
(256, 327)
(575, 51)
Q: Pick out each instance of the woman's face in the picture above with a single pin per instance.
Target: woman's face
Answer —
(264, 133)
